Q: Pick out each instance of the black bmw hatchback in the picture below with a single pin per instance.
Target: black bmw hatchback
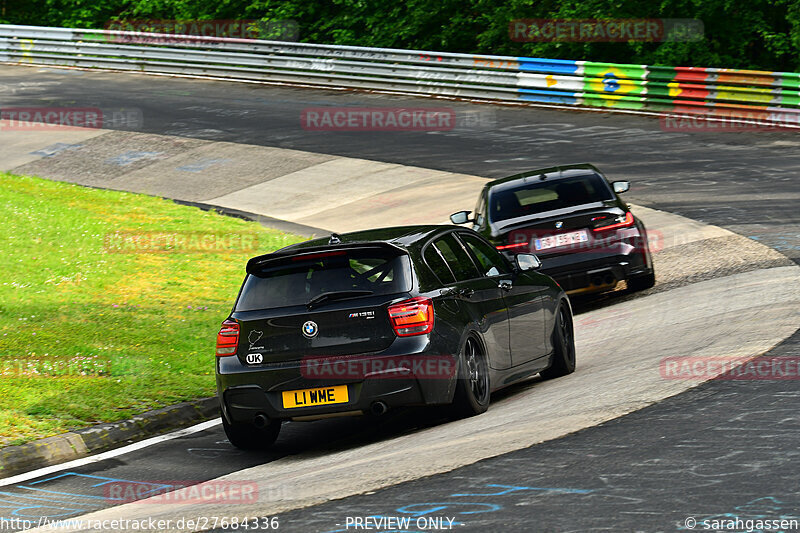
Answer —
(573, 219)
(364, 322)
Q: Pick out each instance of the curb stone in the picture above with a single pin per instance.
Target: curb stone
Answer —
(102, 437)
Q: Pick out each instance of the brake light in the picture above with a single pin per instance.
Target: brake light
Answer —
(514, 246)
(412, 317)
(629, 221)
(228, 338)
(317, 256)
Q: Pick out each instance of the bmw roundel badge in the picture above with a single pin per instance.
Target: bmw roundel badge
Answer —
(559, 224)
(310, 329)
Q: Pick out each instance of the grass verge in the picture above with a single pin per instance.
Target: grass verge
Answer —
(110, 302)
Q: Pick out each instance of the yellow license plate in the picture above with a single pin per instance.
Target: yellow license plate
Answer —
(309, 397)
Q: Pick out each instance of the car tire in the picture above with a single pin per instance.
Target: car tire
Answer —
(640, 283)
(473, 388)
(563, 362)
(249, 437)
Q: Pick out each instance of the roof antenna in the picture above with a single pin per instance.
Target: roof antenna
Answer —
(335, 239)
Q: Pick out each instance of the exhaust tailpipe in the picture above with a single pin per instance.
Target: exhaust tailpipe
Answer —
(603, 280)
(378, 408)
(261, 421)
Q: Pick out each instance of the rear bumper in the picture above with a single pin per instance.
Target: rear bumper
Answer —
(398, 378)
(600, 264)
(596, 271)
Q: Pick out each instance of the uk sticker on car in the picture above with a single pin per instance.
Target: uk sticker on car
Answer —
(254, 358)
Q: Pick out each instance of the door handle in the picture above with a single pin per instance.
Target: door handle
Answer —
(506, 285)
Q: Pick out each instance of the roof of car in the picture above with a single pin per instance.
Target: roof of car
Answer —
(406, 237)
(402, 236)
(550, 173)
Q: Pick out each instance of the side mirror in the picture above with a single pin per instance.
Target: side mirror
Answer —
(621, 186)
(528, 262)
(462, 217)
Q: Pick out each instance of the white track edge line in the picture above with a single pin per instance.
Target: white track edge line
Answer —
(109, 454)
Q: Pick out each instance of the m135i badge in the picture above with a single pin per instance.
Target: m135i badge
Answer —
(310, 329)
(362, 314)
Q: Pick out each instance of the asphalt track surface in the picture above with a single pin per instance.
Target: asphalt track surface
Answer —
(743, 181)
(726, 448)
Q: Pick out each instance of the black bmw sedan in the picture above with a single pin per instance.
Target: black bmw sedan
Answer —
(363, 322)
(574, 220)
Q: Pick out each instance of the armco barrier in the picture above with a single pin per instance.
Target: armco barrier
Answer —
(767, 96)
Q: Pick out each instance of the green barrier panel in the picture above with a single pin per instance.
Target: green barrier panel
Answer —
(611, 83)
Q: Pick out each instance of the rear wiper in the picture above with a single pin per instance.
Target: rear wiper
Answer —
(336, 295)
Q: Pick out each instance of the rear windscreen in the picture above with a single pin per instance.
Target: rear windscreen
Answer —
(296, 280)
(540, 196)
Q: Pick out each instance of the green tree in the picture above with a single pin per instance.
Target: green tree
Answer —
(762, 34)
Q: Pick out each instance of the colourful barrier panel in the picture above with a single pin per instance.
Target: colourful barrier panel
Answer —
(715, 92)
(550, 97)
(617, 70)
(609, 83)
(554, 66)
(679, 90)
(550, 81)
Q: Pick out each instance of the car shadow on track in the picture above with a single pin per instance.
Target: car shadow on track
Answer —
(322, 437)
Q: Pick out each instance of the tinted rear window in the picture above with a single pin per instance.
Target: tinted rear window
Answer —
(540, 196)
(297, 280)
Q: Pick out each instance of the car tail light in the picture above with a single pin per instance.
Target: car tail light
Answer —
(412, 317)
(228, 338)
(317, 256)
(512, 246)
(620, 223)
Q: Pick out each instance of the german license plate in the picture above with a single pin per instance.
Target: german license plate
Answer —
(309, 397)
(562, 239)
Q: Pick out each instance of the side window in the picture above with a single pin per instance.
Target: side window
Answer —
(438, 266)
(457, 259)
(492, 263)
(480, 210)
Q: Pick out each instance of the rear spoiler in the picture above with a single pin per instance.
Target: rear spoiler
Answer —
(257, 264)
(505, 226)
